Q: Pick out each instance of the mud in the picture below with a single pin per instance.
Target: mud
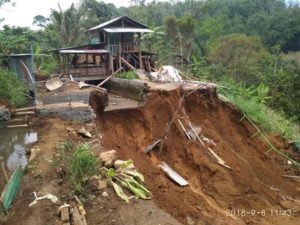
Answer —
(250, 193)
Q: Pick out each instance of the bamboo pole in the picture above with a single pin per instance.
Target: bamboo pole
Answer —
(4, 172)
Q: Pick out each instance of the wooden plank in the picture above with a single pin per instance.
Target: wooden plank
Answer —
(127, 63)
(25, 113)
(77, 218)
(104, 81)
(17, 126)
(218, 158)
(31, 108)
(64, 214)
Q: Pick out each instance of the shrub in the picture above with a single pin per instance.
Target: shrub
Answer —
(127, 75)
(83, 165)
(11, 89)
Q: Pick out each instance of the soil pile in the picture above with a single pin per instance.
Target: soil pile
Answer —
(253, 191)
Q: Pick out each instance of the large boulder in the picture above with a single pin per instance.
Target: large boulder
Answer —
(4, 113)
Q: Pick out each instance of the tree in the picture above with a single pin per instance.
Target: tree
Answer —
(66, 24)
(238, 56)
(181, 34)
(40, 21)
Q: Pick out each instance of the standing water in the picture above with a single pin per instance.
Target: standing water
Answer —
(13, 143)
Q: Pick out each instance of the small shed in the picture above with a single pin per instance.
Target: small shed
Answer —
(22, 65)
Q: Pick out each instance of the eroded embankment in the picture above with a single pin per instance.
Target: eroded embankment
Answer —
(254, 183)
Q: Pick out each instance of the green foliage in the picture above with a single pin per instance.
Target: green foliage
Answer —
(238, 56)
(11, 89)
(251, 102)
(130, 75)
(126, 177)
(79, 163)
(83, 166)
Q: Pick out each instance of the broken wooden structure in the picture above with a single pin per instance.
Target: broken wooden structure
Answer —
(114, 45)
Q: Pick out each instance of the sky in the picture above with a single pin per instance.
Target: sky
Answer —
(22, 14)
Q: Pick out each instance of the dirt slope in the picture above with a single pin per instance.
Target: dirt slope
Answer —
(254, 184)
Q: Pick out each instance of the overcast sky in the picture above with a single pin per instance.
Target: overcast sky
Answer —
(24, 11)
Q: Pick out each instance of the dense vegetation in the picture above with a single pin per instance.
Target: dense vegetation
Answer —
(242, 43)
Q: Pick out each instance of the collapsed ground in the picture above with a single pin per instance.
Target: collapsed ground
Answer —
(254, 182)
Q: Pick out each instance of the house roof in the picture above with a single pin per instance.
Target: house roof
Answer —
(114, 23)
(87, 51)
(127, 30)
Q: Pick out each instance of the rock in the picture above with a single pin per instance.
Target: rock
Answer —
(96, 183)
(84, 132)
(108, 158)
(119, 163)
(4, 113)
(104, 194)
(102, 184)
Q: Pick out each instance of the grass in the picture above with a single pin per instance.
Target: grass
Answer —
(254, 106)
(11, 89)
(130, 75)
(79, 163)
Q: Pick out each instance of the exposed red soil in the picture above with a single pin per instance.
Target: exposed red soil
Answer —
(254, 183)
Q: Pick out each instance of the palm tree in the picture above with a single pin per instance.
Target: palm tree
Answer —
(66, 23)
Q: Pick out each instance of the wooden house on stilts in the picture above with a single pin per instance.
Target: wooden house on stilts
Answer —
(114, 45)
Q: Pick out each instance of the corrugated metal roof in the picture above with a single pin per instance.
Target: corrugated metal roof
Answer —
(103, 25)
(127, 30)
(87, 51)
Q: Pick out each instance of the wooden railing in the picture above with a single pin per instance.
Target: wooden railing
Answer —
(84, 70)
(125, 47)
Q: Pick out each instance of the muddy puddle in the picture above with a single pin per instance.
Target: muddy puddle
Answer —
(13, 144)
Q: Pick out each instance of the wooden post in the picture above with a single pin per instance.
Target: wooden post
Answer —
(120, 51)
(140, 51)
(111, 62)
(4, 171)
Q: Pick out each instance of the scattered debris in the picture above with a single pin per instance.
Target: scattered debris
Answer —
(4, 172)
(173, 175)
(121, 164)
(82, 85)
(104, 81)
(218, 158)
(33, 154)
(104, 194)
(78, 218)
(166, 74)
(64, 212)
(53, 84)
(17, 126)
(291, 176)
(152, 146)
(4, 113)
(80, 206)
(51, 197)
(108, 158)
(24, 113)
(124, 177)
(185, 131)
(84, 132)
